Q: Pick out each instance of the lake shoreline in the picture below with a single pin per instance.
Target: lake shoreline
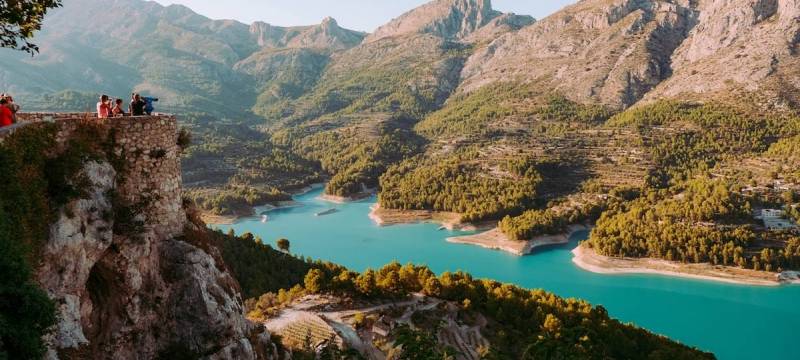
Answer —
(495, 239)
(448, 220)
(589, 260)
(336, 199)
(213, 219)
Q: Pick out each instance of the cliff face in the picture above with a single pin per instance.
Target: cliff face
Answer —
(748, 45)
(618, 52)
(449, 19)
(127, 280)
(328, 35)
(604, 51)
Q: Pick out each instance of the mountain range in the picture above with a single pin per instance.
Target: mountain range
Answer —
(613, 52)
(357, 103)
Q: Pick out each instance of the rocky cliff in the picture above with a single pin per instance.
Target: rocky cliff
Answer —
(618, 52)
(131, 277)
(327, 36)
(449, 19)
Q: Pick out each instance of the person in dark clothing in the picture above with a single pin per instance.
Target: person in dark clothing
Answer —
(137, 106)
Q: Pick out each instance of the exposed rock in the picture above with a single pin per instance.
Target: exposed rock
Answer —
(618, 52)
(738, 45)
(449, 19)
(498, 26)
(327, 35)
(140, 295)
(610, 52)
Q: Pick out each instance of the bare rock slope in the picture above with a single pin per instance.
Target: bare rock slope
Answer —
(618, 52)
(450, 19)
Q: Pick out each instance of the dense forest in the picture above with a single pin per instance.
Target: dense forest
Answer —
(700, 221)
(354, 162)
(471, 113)
(556, 218)
(458, 184)
(259, 267)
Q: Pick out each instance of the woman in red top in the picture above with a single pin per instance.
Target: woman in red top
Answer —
(6, 116)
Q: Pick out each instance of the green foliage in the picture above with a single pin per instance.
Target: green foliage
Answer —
(559, 108)
(704, 134)
(786, 149)
(26, 210)
(522, 317)
(700, 221)
(258, 267)
(549, 222)
(419, 345)
(236, 200)
(456, 184)
(470, 113)
(356, 162)
(20, 19)
(399, 83)
(236, 156)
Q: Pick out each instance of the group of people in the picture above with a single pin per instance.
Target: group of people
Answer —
(139, 106)
(8, 110)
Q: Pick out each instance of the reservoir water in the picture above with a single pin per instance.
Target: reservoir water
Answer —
(732, 321)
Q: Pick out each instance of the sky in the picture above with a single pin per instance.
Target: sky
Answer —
(363, 15)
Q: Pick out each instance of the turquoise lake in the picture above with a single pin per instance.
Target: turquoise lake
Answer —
(732, 321)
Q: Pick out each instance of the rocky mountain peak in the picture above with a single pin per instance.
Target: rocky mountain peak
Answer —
(329, 22)
(327, 35)
(450, 19)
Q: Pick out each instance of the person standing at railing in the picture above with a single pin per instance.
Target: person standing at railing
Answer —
(137, 106)
(6, 116)
(103, 107)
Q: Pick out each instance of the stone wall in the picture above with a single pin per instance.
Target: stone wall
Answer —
(149, 154)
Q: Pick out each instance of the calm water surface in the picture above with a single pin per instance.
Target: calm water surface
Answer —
(732, 321)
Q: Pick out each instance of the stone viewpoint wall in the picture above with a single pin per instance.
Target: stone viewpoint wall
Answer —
(148, 147)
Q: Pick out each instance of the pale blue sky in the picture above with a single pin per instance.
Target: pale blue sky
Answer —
(364, 15)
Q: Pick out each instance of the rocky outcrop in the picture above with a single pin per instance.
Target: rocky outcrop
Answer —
(128, 282)
(449, 19)
(619, 52)
(610, 52)
(500, 25)
(747, 45)
(327, 35)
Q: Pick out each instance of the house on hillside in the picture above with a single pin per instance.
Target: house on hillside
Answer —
(775, 219)
(382, 327)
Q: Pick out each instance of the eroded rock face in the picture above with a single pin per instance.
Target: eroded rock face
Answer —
(449, 19)
(137, 297)
(610, 52)
(620, 52)
(746, 45)
(327, 35)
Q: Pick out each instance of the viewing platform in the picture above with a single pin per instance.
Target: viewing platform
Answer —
(27, 118)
